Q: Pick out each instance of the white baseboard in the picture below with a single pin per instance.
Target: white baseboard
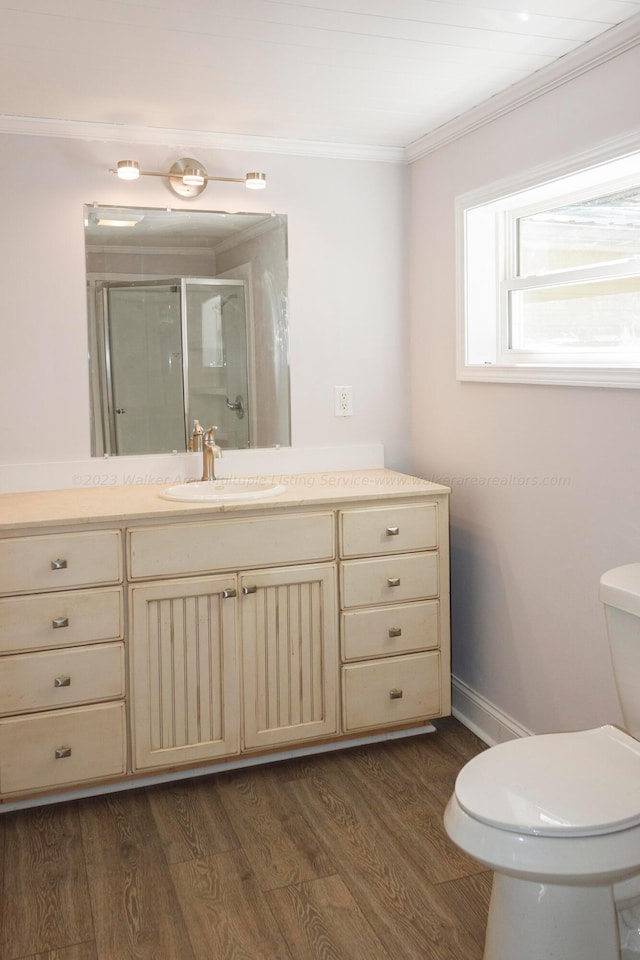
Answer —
(483, 717)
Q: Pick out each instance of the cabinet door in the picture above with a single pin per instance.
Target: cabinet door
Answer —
(184, 679)
(290, 655)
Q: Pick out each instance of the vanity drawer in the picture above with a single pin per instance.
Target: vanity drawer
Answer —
(389, 579)
(60, 619)
(389, 631)
(32, 564)
(218, 545)
(62, 747)
(391, 691)
(61, 678)
(394, 529)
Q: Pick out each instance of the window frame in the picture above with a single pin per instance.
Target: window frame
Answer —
(484, 328)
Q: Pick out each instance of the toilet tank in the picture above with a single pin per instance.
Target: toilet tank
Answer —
(620, 594)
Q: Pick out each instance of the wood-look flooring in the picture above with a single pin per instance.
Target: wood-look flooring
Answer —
(341, 856)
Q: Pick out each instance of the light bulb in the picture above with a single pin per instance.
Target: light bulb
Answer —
(128, 169)
(193, 177)
(256, 181)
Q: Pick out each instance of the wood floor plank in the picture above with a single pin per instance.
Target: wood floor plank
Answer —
(191, 820)
(136, 910)
(411, 814)
(321, 921)
(225, 911)
(469, 898)
(46, 896)
(274, 835)
(392, 892)
(459, 738)
(432, 763)
(80, 951)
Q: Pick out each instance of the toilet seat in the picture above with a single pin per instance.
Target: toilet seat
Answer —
(556, 785)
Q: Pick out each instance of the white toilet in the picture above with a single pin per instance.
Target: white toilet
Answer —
(557, 817)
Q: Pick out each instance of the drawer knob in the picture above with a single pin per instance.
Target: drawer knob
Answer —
(395, 631)
(393, 531)
(60, 622)
(395, 694)
(393, 581)
(58, 564)
(248, 590)
(62, 752)
(62, 682)
(228, 593)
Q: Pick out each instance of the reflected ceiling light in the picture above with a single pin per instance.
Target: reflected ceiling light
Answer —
(187, 177)
(128, 220)
(117, 223)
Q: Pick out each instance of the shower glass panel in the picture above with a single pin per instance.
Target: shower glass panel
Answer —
(144, 369)
(216, 332)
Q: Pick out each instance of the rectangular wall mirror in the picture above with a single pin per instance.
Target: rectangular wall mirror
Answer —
(188, 320)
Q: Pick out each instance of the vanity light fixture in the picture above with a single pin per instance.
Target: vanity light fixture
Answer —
(187, 177)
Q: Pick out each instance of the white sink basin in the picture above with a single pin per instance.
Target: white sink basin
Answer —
(210, 491)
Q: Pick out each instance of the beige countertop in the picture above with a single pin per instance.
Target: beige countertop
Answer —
(120, 504)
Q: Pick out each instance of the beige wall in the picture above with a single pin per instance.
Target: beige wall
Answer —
(527, 552)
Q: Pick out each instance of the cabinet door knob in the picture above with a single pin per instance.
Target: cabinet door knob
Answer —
(393, 531)
(62, 682)
(59, 622)
(247, 590)
(62, 752)
(58, 564)
(228, 593)
(395, 631)
(393, 581)
(395, 694)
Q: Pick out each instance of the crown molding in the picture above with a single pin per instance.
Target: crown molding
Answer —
(188, 139)
(614, 42)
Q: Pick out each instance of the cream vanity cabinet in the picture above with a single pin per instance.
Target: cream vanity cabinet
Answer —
(142, 637)
(230, 658)
(62, 663)
(394, 614)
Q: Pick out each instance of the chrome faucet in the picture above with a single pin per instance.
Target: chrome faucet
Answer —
(210, 453)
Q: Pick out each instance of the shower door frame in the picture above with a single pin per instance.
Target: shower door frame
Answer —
(101, 289)
(108, 413)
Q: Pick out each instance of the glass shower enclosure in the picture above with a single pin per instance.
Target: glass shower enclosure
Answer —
(172, 351)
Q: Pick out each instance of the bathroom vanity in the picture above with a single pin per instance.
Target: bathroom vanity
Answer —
(143, 637)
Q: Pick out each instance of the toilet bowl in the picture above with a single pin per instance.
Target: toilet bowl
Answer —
(557, 818)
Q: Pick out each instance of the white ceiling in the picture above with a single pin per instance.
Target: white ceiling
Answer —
(375, 72)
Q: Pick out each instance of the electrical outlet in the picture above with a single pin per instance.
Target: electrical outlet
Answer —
(343, 401)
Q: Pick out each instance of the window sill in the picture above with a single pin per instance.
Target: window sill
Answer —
(625, 377)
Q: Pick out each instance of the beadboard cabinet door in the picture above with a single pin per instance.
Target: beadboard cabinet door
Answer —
(184, 673)
(289, 654)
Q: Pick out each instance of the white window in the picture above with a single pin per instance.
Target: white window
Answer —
(549, 278)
